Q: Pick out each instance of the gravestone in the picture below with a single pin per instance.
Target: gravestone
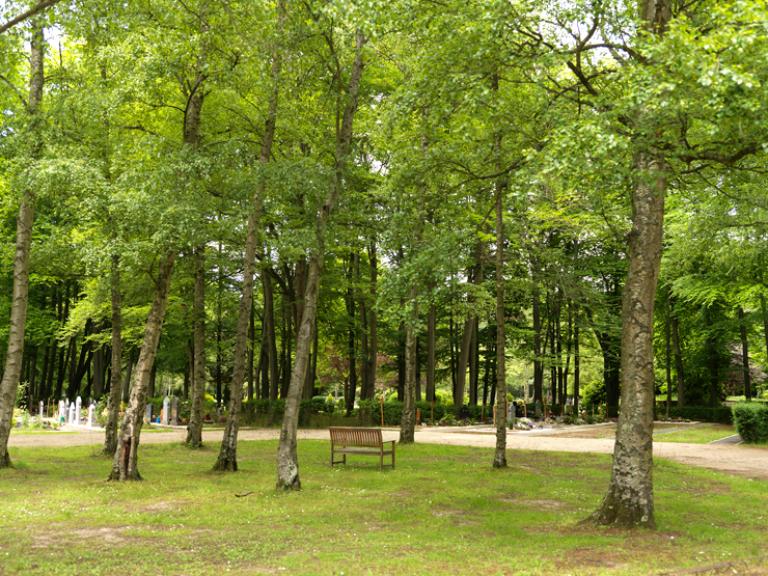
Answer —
(72, 413)
(91, 414)
(78, 408)
(62, 412)
(175, 411)
(148, 414)
(41, 412)
(165, 416)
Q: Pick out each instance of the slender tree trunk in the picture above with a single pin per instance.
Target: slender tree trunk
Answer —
(576, 370)
(287, 457)
(227, 460)
(764, 310)
(679, 368)
(408, 420)
(744, 355)
(195, 425)
(373, 338)
(431, 352)
(268, 333)
(461, 373)
(125, 464)
(629, 501)
(349, 398)
(538, 367)
(113, 404)
(20, 296)
(500, 455)
(668, 357)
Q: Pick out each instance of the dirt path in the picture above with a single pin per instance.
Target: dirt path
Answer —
(743, 460)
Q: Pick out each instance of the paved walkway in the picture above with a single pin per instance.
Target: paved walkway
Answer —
(747, 461)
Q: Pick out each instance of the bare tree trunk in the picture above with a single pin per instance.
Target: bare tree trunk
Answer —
(195, 424)
(431, 352)
(287, 457)
(629, 501)
(679, 367)
(764, 310)
(24, 220)
(744, 355)
(113, 405)
(125, 464)
(463, 361)
(538, 367)
(500, 455)
(227, 460)
(408, 420)
(373, 338)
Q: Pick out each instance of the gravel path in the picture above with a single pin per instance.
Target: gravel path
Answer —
(743, 460)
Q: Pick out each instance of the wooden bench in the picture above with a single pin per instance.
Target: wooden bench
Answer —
(350, 440)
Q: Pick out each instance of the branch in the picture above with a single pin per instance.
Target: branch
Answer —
(37, 8)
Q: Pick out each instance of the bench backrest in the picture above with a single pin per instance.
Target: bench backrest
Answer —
(351, 436)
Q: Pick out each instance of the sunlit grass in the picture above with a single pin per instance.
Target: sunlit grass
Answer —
(443, 510)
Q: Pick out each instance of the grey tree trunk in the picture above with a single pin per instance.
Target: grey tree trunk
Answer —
(125, 463)
(408, 420)
(500, 455)
(113, 406)
(195, 424)
(287, 458)
(431, 352)
(744, 355)
(227, 460)
(24, 219)
(629, 501)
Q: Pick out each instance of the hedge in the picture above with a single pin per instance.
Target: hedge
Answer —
(751, 422)
(717, 414)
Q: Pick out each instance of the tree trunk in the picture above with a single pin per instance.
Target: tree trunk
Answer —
(195, 425)
(431, 352)
(125, 464)
(373, 338)
(629, 501)
(349, 397)
(287, 457)
(679, 368)
(576, 369)
(500, 455)
(764, 310)
(227, 460)
(268, 332)
(538, 367)
(20, 297)
(461, 372)
(408, 420)
(113, 404)
(744, 355)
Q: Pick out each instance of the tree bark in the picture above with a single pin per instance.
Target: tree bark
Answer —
(629, 501)
(408, 420)
(500, 455)
(195, 425)
(113, 404)
(431, 352)
(373, 338)
(125, 463)
(227, 460)
(287, 457)
(24, 220)
(744, 355)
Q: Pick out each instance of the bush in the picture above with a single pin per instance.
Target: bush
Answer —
(751, 422)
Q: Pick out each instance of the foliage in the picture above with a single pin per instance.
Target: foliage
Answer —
(751, 421)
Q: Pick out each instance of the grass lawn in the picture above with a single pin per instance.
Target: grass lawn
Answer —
(702, 433)
(442, 511)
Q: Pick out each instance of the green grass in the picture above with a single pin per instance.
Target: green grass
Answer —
(442, 511)
(694, 433)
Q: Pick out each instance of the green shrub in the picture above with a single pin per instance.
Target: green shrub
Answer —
(717, 414)
(751, 421)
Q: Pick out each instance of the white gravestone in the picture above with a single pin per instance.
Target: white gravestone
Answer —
(71, 413)
(166, 410)
(41, 412)
(62, 412)
(78, 407)
(91, 414)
